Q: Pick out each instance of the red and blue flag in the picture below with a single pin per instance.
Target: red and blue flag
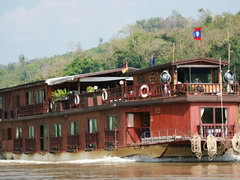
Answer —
(197, 33)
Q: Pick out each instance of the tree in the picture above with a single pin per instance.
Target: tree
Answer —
(81, 66)
(133, 59)
(22, 60)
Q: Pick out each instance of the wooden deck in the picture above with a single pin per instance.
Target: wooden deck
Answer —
(133, 93)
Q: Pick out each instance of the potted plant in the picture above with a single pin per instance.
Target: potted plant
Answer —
(60, 94)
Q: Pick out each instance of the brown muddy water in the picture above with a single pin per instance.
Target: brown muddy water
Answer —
(127, 169)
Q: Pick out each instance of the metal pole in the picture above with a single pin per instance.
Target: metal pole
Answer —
(229, 51)
(221, 95)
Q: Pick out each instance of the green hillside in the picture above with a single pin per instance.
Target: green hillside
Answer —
(136, 43)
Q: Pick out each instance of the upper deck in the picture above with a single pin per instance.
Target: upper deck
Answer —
(198, 79)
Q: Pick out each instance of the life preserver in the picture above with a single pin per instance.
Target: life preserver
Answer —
(51, 105)
(77, 100)
(104, 95)
(143, 93)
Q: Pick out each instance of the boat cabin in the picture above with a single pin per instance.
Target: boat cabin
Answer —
(111, 109)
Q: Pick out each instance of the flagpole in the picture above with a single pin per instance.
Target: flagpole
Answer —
(229, 50)
(173, 52)
(197, 36)
(221, 94)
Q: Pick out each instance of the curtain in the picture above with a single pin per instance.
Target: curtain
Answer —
(33, 132)
(17, 133)
(226, 114)
(55, 130)
(72, 129)
(90, 126)
(202, 111)
(59, 130)
(110, 123)
(94, 125)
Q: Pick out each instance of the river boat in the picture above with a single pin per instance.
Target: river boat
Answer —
(178, 109)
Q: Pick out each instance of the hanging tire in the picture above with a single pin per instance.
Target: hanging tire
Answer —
(144, 91)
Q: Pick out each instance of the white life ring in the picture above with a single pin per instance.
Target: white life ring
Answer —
(77, 100)
(141, 91)
(51, 105)
(104, 95)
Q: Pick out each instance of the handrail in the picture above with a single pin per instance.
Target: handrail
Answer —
(217, 130)
(156, 136)
(129, 93)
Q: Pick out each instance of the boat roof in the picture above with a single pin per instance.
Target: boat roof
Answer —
(112, 74)
(204, 61)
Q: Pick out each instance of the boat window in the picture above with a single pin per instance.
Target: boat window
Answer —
(214, 115)
(207, 115)
(215, 75)
(31, 132)
(201, 75)
(141, 79)
(40, 93)
(57, 130)
(130, 120)
(221, 115)
(112, 122)
(9, 134)
(197, 75)
(29, 96)
(152, 78)
(73, 128)
(18, 133)
(92, 125)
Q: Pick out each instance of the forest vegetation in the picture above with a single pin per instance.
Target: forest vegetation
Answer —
(136, 43)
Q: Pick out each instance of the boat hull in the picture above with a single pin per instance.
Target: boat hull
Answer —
(153, 151)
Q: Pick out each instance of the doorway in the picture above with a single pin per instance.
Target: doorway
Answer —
(138, 126)
(43, 138)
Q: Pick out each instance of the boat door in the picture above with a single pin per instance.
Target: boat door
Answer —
(43, 138)
(138, 126)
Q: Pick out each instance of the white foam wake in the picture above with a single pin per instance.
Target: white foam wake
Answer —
(84, 161)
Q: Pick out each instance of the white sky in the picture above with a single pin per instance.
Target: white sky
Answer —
(40, 28)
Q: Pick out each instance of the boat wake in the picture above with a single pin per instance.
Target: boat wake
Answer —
(229, 156)
(85, 161)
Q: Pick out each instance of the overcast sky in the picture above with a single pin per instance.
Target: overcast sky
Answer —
(43, 28)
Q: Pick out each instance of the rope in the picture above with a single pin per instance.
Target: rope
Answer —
(196, 146)
(211, 147)
(226, 143)
(236, 143)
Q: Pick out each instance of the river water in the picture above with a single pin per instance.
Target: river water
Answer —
(227, 167)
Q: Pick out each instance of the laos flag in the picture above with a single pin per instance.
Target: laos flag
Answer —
(197, 33)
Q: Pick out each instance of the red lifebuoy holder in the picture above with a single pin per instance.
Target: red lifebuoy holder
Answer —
(104, 95)
(144, 91)
(77, 100)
